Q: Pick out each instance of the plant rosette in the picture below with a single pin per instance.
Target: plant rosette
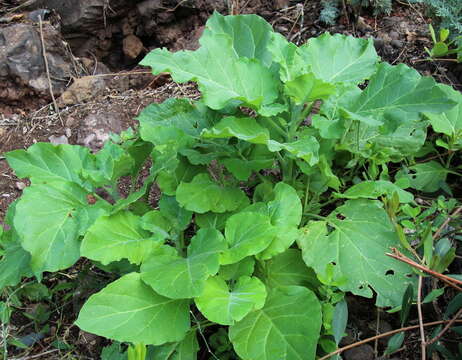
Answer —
(266, 216)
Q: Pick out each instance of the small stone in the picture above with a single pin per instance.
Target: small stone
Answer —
(397, 44)
(132, 46)
(379, 43)
(281, 4)
(68, 132)
(20, 185)
(58, 140)
(70, 121)
(363, 352)
(394, 35)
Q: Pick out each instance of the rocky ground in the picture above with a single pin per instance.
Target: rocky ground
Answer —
(90, 84)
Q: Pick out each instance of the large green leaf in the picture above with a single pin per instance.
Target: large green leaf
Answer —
(450, 122)
(250, 34)
(339, 58)
(128, 310)
(427, 177)
(179, 278)
(353, 254)
(47, 162)
(119, 236)
(247, 233)
(244, 128)
(49, 220)
(287, 327)
(177, 121)
(401, 88)
(185, 349)
(202, 195)
(374, 189)
(221, 74)
(225, 307)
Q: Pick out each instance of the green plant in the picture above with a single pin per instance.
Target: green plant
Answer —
(447, 12)
(330, 8)
(273, 190)
(441, 46)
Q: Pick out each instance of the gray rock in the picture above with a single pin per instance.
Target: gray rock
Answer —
(397, 44)
(22, 67)
(379, 43)
(58, 140)
(394, 35)
(96, 128)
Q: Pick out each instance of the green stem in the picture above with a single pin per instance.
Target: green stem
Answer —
(307, 190)
(277, 127)
(448, 162)
(316, 216)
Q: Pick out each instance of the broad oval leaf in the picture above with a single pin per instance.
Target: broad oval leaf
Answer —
(177, 121)
(427, 177)
(244, 128)
(375, 188)
(202, 195)
(180, 278)
(250, 34)
(224, 306)
(128, 310)
(119, 236)
(339, 58)
(287, 327)
(49, 220)
(221, 74)
(401, 88)
(247, 233)
(355, 252)
(47, 162)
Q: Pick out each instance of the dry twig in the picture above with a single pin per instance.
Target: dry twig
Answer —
(423, 342)
(446, 328)
(386, 334)
(44, 52)
(448, 280)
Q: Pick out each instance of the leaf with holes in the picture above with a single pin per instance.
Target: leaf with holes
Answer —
(356, 248)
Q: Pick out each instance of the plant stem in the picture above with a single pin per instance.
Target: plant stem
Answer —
(277, 127)
(307, 191)
(423, 342)
(316, 216)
